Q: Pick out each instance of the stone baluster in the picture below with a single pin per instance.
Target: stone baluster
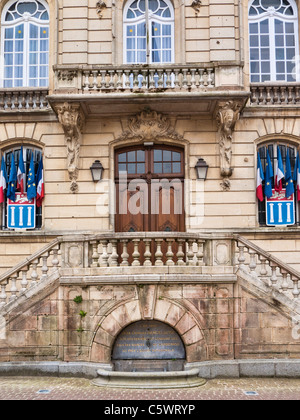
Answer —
(24, 282)
(125, 255)
(103, 79)
(144, 79)
(158, 253)
(95, 254)
(274, 278)
(103, 259)
(45, 266)
(147, 254)
(285, 284)
(111, 79)
(135, 79)
(152, 80)
(253, 263)
(55, 260)
(185, 79)
(114, 255)
(86, 81)
(119, 79)
(170, 254)
(168, 78)
(210, 78)
(176, 79)
(3, 295)
(34, 274)
(13, 289)
(95, 80)
(263, 268)
(136, 253)
(200, 252)
(160, 82)
(180, 253)
(242, 258)
(2, 103)
(16, 100)
(201, 78)
(190, 252)
(193, 78)
(8, 100)
(127, 79)
(296, 291)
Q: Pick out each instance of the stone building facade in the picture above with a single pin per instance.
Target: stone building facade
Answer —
(149, 88)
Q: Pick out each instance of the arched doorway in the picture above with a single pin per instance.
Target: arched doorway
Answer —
(148, 346)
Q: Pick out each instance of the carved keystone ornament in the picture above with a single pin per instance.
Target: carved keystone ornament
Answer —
(72, 120)
(150, 125)
(228, 114)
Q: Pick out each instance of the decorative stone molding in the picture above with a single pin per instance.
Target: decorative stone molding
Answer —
(196, 4)
(72, 119)
(228, 114)
(68, 75)
(150, 126)
(100, 6)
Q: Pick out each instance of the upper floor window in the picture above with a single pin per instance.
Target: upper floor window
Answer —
(274, 41)
(25, 44)
(149, 32)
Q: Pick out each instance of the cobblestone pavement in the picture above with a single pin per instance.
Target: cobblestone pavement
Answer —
(28, 388)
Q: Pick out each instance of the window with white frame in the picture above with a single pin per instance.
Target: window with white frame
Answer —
(25, 44)
(149, 32)
(273, 41)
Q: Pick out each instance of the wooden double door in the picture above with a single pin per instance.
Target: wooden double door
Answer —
(150, 189)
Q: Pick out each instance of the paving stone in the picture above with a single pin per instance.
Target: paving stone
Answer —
(49, 388)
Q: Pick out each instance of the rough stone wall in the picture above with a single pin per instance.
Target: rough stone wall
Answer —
(215, 322)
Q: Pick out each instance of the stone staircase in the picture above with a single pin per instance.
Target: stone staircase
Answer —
(101, 259)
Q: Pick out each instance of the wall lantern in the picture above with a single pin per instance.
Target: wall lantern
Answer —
(201, 169)
(97, 171)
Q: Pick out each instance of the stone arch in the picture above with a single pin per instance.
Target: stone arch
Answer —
(163, 310)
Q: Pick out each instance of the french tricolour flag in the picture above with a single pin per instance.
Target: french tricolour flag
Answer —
(297, 176)
(279, 172)
(260, 179)
(40, 188)
(21, 175)
(3, 181)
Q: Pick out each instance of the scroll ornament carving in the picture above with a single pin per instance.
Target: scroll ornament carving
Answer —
(149, 126)
(100, 6)
(196, 4)
(72, 119)
(227, 117)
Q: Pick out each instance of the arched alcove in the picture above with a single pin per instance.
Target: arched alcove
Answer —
(148, 345)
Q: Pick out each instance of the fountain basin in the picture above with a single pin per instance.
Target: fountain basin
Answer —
(149, 380)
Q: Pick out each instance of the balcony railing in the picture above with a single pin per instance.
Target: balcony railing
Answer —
(23, 99)
(275, 94)
(137, 78)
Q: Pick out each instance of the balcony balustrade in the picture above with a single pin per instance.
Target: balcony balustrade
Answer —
(280, 94)
(23, 99)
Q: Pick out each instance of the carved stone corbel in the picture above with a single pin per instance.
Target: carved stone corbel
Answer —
(228, 114)
(72, 120)
(100, 6)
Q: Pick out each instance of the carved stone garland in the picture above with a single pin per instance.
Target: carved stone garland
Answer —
(72, 120)
(150, 126)
(227, 116)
